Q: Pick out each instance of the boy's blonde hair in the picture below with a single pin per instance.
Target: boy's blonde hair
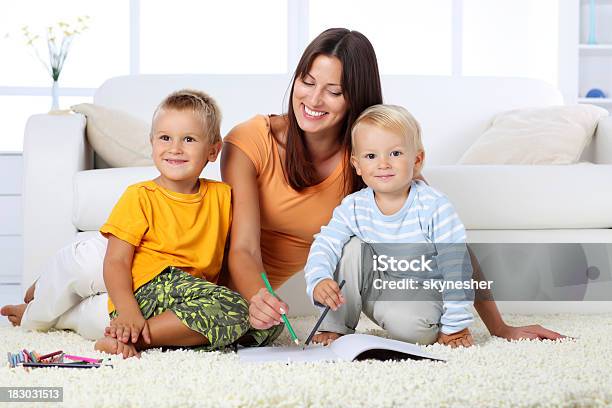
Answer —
(394, 118)
(201, 104)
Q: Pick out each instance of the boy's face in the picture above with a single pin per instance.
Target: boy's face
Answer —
(181, 150)
(384, 159)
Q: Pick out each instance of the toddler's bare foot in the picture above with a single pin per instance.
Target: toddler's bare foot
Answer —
(29, 295)
(462, 338)
(325, 338)
(107, 345)
(14, 313)
(113, 346)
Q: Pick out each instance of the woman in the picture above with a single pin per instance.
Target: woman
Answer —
(287, 173)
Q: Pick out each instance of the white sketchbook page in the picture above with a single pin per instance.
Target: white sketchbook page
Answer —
(286, 354)
(349, 347)
(345, 348)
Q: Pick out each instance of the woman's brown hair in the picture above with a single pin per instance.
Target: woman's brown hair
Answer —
(361, 88)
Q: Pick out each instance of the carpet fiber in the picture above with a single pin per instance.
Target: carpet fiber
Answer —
(494, 373)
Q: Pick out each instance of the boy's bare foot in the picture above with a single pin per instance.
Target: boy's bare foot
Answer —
(113, 346)
(325, 338)
(14, 313)
(29, 295)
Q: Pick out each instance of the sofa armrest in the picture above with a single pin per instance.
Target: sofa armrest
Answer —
(603, 141)
(54, 149)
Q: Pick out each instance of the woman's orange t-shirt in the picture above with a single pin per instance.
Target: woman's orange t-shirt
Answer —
(289, 219)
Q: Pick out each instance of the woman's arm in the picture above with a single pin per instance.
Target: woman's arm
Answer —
(118, 280)
(489, 313)
(487, 309)
(245, 263)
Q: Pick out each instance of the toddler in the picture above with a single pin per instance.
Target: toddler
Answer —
(396, 207)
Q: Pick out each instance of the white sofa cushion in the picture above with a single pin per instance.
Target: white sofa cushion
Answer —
(486, 197)
(97, 191)
(550, 135)
(119, 138)
(514, 197)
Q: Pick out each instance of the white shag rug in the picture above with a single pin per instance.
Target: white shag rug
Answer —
(493, 373)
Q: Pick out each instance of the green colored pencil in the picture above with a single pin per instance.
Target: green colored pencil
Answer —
(283, 315)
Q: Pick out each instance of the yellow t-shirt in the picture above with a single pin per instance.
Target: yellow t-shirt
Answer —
(188, 231)
(289, 219)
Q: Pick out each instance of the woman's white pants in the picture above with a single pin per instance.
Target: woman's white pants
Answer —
(70, 293)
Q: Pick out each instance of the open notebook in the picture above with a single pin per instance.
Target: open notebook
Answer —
(346, 348)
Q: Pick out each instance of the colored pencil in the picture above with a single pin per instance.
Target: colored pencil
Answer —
(316, 326)
(32, 357)
(79, 358)
(283, 315)
(46, 356)
(61, 365)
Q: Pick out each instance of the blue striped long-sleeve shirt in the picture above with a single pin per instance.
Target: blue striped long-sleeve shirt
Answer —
(426, 217)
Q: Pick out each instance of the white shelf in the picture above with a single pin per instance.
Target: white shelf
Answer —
(596, 46)
(595, 49)
(595, 60)
(596, 101)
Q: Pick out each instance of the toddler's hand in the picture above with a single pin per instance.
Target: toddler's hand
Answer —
(128, 326)
(461, 338)
(327, 292)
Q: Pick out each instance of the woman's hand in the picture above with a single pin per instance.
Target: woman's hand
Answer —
(327, 292)
(265, 310)
(128, 326)
(533, 332)
(487, 309)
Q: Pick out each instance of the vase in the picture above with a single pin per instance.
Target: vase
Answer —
(54, 96)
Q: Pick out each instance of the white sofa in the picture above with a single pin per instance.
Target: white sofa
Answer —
(64, 195)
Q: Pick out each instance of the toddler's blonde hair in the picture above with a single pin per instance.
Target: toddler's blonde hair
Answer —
(201, 104)
(394, 118)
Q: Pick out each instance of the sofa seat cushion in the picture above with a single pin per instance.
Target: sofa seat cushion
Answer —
(527, 197)
(486, 197)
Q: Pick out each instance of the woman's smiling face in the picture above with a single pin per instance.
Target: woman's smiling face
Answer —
(318, 98)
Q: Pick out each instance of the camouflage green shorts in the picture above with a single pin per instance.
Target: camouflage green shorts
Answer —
(218, 313)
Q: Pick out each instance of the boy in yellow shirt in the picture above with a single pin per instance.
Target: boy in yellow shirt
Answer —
(166, 239)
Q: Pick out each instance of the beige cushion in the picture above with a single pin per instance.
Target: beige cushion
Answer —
(120, 139)
(551, 135)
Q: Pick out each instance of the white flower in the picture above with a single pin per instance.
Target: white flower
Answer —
(58, 39)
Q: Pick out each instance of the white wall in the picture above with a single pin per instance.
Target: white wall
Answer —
(459, 37)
